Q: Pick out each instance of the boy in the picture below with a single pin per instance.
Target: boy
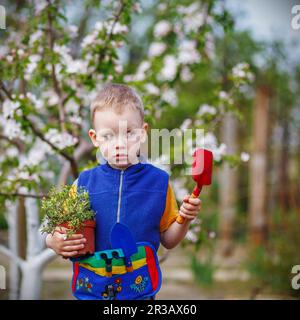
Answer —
(123, 188)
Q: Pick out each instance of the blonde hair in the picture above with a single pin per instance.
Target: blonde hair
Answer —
(117, 97)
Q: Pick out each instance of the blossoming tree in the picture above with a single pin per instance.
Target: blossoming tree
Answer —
(51, 68)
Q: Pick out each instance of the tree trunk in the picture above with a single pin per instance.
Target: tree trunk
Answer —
(258, 166)
(284, 181)
(32, 269)
(228, 188)
(14, 271)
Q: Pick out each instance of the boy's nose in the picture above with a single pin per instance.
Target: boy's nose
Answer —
(121, 143)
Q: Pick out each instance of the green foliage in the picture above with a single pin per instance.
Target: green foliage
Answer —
(203, 270)
(66, 206)
(271, 266)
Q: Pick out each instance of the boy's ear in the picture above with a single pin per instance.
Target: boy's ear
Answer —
(144, 136)
(93, 136)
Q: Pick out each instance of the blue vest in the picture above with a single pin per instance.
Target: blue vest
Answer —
(135, 196)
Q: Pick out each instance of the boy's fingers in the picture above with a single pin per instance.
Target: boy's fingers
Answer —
(194, 201)
(74, 242)
(75, 236)
(186, 198)
(73, 248)
(187, 212)
(65, 237)
(69, 254)
(186, 215)
(188, 206)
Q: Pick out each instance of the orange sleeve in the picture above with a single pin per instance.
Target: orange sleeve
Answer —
(171, 210)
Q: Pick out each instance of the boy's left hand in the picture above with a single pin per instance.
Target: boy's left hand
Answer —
(190, 207)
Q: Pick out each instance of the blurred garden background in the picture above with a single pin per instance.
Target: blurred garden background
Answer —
(231, 68)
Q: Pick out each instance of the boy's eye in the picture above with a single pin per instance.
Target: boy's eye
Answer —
(133, 134)
(106, 136)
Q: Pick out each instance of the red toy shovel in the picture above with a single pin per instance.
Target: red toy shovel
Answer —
(201, 173)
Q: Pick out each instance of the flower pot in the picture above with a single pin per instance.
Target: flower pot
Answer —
(88, 231)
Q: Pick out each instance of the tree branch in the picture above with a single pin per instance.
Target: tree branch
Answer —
(26, 195)
(57, 89)
(4, 250)
(3, 88)
(64, 154)
(42, 137)
(15, 142)
(117, 17)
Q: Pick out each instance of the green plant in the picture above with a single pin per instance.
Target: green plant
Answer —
(66, 206)
(270, 266)
(203, 270)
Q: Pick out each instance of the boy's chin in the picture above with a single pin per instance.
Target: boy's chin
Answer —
(122, 163)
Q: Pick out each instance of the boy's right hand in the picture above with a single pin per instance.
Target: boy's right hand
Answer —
(66, 247)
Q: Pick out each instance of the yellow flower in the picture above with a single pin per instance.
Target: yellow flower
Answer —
(138, 280)
(72, 193)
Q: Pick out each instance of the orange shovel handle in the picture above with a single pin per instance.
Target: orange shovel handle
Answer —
(181, 219)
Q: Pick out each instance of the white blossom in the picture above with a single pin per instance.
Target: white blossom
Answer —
(191, 236)
(211, 234)
(245, 156)
(140, 74)
(188, 53)
(137, 7)
(241, 72)
(9, 107)
(20, 52)
(60, 139)
(169, 70)
(32, 65)
(36, 155)
(76, 120)
(37, 102)
(186, 74)
(186, 123)
(119, 68)
(170, 96)
(12, 152)
(9, 58)
(193, 17)
(12, 129)
(152, 89)
(206, 109)
(73, 31)
(72, 106)
(156, 49)
(118, 28)
(40, 5)
(162, 28)
(88, 40)
(218, 152)
(35, 37)
(51, 96)
(162, 7)
(77, 66)
(99, 25)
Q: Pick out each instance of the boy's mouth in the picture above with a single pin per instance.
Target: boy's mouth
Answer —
(121, 156)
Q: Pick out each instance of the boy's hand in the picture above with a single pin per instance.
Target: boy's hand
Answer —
(65, 246)
(190, 207)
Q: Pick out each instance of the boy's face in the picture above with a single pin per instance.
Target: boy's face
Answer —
(118, 136)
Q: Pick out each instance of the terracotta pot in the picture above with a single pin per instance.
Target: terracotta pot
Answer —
(88, 231)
